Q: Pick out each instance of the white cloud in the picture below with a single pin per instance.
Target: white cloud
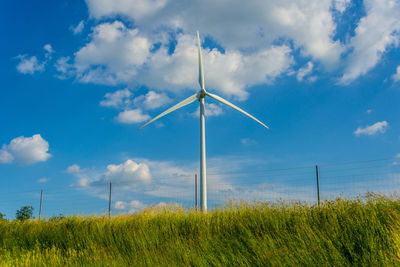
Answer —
(257, 40)
(117, 99)
(341, 5)
(83, 182)
(78, 28)
(119, 55)
(174, 181)
(135, 206)
(43, 180)
(64, 68)
(129, 172)
(123, 99)
(112, 55)
(248, 141)
(211, 109)
(144, 177)
(48, 48)
(133, 107)
(375, 33)
(258, 23)
(84, 179)
(396, 76)
(5, 156)
(127, 175)
(136, 8)
(152, 100)
(132, 116)
(369, 111)
(304, 71)
(29, 65)
(379, 127)
(231, 72)
(74, 168)
(25, 150)
(132, 206)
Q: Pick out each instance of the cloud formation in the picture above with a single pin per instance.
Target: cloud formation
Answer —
(129, 172)
(231, 73)
(48, 48)
(375, 34)
(29, 65)
(376, 128)
(137, 8)
(112, 55)
(118, 55)
(258, 23)
(396, 76)
(43, 180)
(173, 182)
(211, 110)
(78, 28)
(117, 99)
(25, 150)
(341, 5)
(132, 206)
(152, 100)
(127, 175)
(305, 71)
(133, 107)
(255, 43)
(74, 168)
(248, 141)
(132, 116)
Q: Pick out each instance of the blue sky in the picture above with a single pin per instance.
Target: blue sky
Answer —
(80, 77)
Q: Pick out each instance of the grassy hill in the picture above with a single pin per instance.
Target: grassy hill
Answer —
(362, 232)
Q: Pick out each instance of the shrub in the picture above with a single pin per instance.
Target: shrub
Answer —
(24, 213)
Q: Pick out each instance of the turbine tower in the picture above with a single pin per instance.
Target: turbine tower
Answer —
(200, 96)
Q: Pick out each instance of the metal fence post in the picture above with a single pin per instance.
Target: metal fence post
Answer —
(109, 202)
(41, 200)
(195, 191)
(317, 173)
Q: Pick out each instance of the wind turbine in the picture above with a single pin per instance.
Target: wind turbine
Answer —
(200, 96)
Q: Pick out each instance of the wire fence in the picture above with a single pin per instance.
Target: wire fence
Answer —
(343, 179)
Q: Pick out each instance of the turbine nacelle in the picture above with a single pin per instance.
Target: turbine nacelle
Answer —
(201, 94)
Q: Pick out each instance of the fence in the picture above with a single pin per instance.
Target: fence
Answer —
(305, 183)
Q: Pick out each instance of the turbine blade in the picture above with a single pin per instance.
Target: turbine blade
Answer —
(183, 103)
(223, 101)
(201, 73)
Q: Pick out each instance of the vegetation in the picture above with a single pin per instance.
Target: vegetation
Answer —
(24, 213)
(2, 216)
(363, 232)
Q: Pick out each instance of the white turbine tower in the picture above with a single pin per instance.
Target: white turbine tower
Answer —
(200, 96)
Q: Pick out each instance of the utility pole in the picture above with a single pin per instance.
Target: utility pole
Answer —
(109, 201)
(317, 173)
(41, 200)
(195, 191)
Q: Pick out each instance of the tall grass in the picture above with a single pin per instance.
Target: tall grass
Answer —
(362, 232)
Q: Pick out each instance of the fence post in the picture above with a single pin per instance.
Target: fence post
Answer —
(41, 200)
(109, 201)
(195, 191)
(317, 173)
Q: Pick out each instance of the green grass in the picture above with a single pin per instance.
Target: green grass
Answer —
(363, 232)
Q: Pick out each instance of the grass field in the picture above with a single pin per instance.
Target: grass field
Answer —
(363, 232)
